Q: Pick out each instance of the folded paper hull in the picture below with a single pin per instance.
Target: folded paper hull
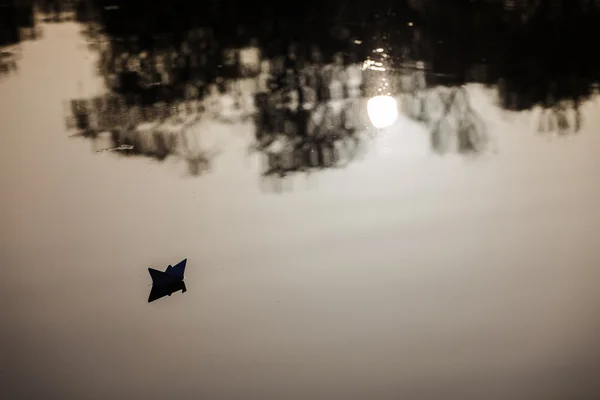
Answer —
(163, 278)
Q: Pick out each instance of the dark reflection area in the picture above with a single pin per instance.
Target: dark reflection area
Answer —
(17, 23)
(535, 52)
(160, 291)
(170, 66)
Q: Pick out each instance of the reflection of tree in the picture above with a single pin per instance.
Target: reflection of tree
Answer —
(457, 121)
(156, 131)
(331, 141)
(445, 109)
(537, 58)
(529, 46)
(562, 118)
(197, 158)
(8, 62)
(538, 52)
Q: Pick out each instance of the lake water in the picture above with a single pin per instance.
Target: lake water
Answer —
(405, 275)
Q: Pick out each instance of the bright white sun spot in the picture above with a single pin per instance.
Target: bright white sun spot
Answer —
(382, 110)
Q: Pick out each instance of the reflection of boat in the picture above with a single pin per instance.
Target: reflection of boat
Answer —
(158, 292)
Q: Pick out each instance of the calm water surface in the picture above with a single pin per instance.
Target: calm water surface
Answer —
(405, 275)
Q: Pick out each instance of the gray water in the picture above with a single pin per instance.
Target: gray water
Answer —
(406, 275)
